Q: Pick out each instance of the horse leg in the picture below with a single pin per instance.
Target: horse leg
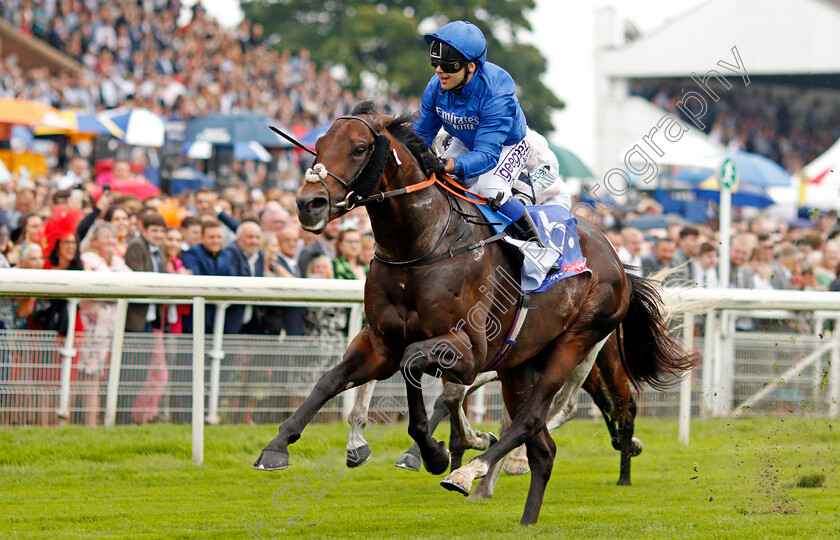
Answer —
(411, 459)
(418, 356)
(358, 451)
(366, 359)
(453, 397)
(530, 417)
(623, 409)
(488, 483)
(541, 452)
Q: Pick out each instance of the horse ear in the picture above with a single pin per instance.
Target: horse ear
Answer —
(370, 175)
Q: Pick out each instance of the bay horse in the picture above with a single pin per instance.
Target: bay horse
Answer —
(434, 304)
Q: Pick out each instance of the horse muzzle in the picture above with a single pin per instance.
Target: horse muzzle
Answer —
(313, 212)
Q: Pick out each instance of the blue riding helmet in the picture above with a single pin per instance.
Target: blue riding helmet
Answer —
(464, 37)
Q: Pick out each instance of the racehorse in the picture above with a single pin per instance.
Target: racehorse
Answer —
(434, 304)
(610, 390)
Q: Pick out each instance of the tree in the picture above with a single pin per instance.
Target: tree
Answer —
(383, 41)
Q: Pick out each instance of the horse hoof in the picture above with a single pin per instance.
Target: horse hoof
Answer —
(493, 438)
(516, 467)
(409, 462)
(270, 460)
(358, 456)
(440, 461)
(637, 447)
(458, 482)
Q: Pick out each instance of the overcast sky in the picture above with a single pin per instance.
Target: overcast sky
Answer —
(563, 31)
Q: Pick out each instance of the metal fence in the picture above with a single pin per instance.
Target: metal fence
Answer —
(263, 379)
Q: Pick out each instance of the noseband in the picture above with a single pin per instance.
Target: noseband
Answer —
(368, 175)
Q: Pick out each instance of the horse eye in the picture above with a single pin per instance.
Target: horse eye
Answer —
(359, 150)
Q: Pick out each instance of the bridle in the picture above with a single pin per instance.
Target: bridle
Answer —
(367, 173)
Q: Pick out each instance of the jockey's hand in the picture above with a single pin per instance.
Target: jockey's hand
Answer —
(433, 164)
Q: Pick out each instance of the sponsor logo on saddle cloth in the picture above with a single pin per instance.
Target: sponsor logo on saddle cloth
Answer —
(558, 229)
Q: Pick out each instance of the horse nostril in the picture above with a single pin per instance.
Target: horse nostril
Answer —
(317, 203)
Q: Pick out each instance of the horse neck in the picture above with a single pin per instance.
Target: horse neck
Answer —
(408, 226)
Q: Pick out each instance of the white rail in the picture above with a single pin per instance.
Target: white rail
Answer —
(198, 290)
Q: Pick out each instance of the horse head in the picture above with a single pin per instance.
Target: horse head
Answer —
(348, 167)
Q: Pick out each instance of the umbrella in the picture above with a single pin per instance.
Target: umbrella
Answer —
(137, 127)
(653, 221)
(197, 150)
(139, 188)
(82, 124)
(228, 129)
(250, 151)
(745, 194)
(314, 134)
(23, 112)
(189, 179)
(753, 169)
(571, 166)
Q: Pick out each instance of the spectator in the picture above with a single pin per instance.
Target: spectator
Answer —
(740, 251)
(77, 173)
(660, 258)
(98, 255)
(826, 271)
(706, 267)
(142, 255)
(209, 259)
(324, 321)
(287, 266)
(191, 232)
(630, 251)
(368, 248)
(315, 245)
(31, 258)
(288, 239)
(271, 316)
(177, 363)
(348, 262)
(248, 260)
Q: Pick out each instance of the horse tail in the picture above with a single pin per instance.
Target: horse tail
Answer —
(652, 353)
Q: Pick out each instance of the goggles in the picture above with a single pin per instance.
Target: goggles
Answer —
(449, 60)
(448, 66)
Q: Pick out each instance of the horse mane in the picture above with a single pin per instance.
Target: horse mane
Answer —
(401, 127)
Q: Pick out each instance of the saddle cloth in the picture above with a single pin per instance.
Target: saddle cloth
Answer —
(558, 229)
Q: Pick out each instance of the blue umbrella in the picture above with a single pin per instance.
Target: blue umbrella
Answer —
(313, 134)
(138, 127)
(229, 129)
(752, 169)
(189, 179)
(745, 195)
(250, 151)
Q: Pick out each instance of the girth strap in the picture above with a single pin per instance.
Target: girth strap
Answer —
(513, 334)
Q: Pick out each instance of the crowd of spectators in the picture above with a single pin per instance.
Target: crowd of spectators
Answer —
(136, 54)
(791, 127)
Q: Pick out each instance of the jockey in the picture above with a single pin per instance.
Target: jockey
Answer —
(475, 102)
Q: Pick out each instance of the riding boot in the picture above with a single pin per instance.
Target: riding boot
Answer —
(525, 229)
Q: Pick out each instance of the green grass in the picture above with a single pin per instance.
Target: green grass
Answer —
(736, 480)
